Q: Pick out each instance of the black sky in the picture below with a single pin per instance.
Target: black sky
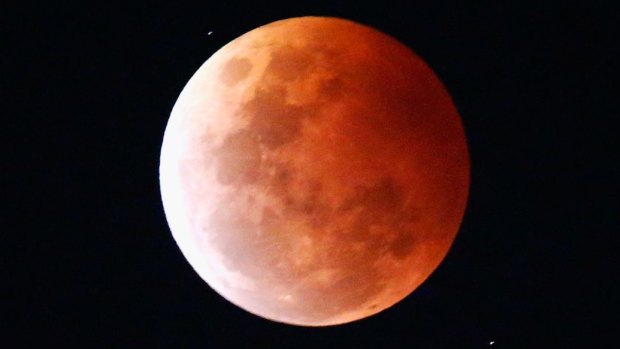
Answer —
(91, 261)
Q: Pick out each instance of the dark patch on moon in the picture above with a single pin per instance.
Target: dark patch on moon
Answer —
(235, 70)
(331, 89)
(273, 122)
(288, 63)
(383, 196)
(383, 219)
(404, 243)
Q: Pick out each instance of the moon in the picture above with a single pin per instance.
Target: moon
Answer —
(314, 171)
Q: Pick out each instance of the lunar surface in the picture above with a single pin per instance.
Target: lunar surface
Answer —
(314, 171)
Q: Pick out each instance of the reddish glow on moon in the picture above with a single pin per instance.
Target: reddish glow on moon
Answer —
(314, 171)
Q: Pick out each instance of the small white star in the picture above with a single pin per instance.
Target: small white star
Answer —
(209, 33)
(491, 342)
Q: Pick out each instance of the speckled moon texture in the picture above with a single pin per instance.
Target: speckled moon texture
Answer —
(314, 171)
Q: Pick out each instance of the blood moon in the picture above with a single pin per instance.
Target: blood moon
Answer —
(314, 171)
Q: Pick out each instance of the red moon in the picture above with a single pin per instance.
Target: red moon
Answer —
(314, 171)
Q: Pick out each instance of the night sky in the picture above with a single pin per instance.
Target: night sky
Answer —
(90, 260)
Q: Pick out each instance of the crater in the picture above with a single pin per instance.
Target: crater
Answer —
(273, 122)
